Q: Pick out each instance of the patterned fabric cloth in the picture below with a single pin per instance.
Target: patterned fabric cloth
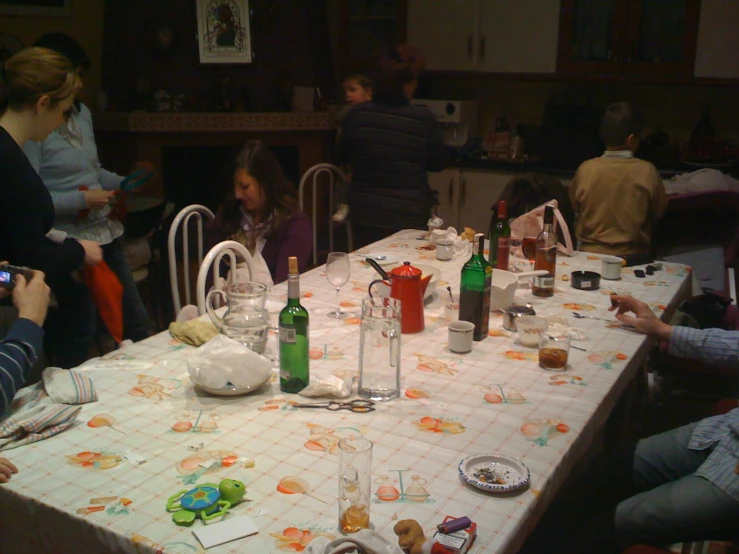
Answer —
(720, 432)
(42, 410)
(18, 354)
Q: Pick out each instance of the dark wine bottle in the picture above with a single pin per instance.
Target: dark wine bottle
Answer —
(474, 293)
(546, 256)
(293, 330)
(500, 238)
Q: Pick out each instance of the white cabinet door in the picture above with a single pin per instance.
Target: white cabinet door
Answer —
(445, 31)
(518, 36)
(718, 40)
(446, 184)
(478, 191)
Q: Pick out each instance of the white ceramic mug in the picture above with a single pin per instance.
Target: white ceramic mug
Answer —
(460, 336)
(444, 249)
(529, 328)
(611, 267)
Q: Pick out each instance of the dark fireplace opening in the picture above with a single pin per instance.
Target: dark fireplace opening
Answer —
(202, 175)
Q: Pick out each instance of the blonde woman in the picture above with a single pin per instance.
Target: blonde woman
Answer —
(36, 87)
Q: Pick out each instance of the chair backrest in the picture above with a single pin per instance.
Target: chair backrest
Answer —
(197, 212)
(335, 176)
(213, 258)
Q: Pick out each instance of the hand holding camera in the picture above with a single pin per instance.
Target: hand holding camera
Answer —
(30, 292)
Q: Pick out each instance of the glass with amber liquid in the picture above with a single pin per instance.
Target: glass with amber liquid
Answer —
(546, 256)
(355, 484)
(553, 352)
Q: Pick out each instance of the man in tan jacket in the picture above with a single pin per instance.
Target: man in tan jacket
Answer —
(618, 197)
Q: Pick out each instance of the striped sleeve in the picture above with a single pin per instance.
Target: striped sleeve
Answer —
(709, 345)
(19, 351)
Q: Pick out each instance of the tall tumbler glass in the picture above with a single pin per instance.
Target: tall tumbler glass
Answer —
(379, 349)
(355, 484)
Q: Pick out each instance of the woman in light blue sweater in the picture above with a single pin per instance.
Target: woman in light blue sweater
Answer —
(66, 162)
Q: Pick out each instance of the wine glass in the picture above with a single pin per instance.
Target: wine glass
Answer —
(337, 273)
(528, 245)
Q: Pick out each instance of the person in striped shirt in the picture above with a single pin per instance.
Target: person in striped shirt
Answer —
(19, 349)
(686, 480)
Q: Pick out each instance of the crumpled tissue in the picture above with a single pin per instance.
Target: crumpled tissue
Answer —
(558, 325)
(330, 386)
(223, 360)
(461, 246)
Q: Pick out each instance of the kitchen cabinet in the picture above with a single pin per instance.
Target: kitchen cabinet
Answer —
(628, 38)
(718, 40)
(478, 191)
(446, 185)
(446, 31)
(495, 36)
(518, 37)
(366, 28)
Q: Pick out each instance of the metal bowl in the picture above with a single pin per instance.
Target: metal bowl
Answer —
(511, 313)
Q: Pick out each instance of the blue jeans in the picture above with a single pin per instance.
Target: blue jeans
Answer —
(678, 505)
(73, 325)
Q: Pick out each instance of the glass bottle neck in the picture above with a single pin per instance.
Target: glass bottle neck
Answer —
(293, 287)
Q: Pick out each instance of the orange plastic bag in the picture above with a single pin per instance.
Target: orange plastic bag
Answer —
(107, 294)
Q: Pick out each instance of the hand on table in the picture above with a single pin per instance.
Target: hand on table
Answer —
(645, 319)
(7, 469)
(97, 199)
(93, 251)
(31, 298)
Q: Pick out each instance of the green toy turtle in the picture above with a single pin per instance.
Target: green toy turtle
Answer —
(206, 501)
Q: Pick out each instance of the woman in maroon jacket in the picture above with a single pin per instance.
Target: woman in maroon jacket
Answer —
(263, 213)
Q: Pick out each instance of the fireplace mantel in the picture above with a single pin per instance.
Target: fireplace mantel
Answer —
(166, 122)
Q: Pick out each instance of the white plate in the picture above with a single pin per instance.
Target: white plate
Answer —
(389, 259)
(514, 473)
(232, 390)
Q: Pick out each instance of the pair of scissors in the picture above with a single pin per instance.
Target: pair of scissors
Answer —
(357, 406)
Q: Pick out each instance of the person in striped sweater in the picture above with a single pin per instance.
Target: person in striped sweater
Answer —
(19, 349)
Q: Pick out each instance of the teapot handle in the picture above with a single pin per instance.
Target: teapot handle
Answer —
(217, 321)
(369, 288)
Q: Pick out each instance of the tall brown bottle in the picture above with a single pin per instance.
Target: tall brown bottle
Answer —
(546, 256)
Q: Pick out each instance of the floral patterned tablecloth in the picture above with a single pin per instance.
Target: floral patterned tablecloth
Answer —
(85, 490)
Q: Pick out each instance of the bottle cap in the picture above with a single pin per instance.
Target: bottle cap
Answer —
(292, 265)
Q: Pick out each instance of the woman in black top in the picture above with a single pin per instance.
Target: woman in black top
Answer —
(390, 146)
(36, 87)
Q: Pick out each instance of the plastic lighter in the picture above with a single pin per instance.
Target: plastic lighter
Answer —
(454, 525)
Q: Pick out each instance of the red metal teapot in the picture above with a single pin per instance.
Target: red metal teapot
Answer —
(409, 286)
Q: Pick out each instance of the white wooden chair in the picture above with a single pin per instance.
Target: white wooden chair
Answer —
(213, 258)
(197, 212)
(334, 176)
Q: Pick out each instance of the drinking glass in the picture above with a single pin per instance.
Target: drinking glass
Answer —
(528, 245)
(379, 349)
(553, 351)
(274, 305)
(355, 483)
(337, 273)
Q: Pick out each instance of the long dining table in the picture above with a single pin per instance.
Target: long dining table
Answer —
(102, 485)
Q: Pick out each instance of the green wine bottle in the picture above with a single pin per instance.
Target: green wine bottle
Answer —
(474, 293)
(293, 329)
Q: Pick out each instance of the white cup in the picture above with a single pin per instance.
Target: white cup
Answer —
(460, 336)
(529, 328)
(444, 249)
(451, 309)
(611, 267)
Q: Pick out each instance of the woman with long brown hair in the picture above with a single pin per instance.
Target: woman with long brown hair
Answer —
(37, 86)
(262, 212)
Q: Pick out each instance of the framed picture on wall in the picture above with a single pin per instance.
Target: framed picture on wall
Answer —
(223, 31)
(44, 8)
